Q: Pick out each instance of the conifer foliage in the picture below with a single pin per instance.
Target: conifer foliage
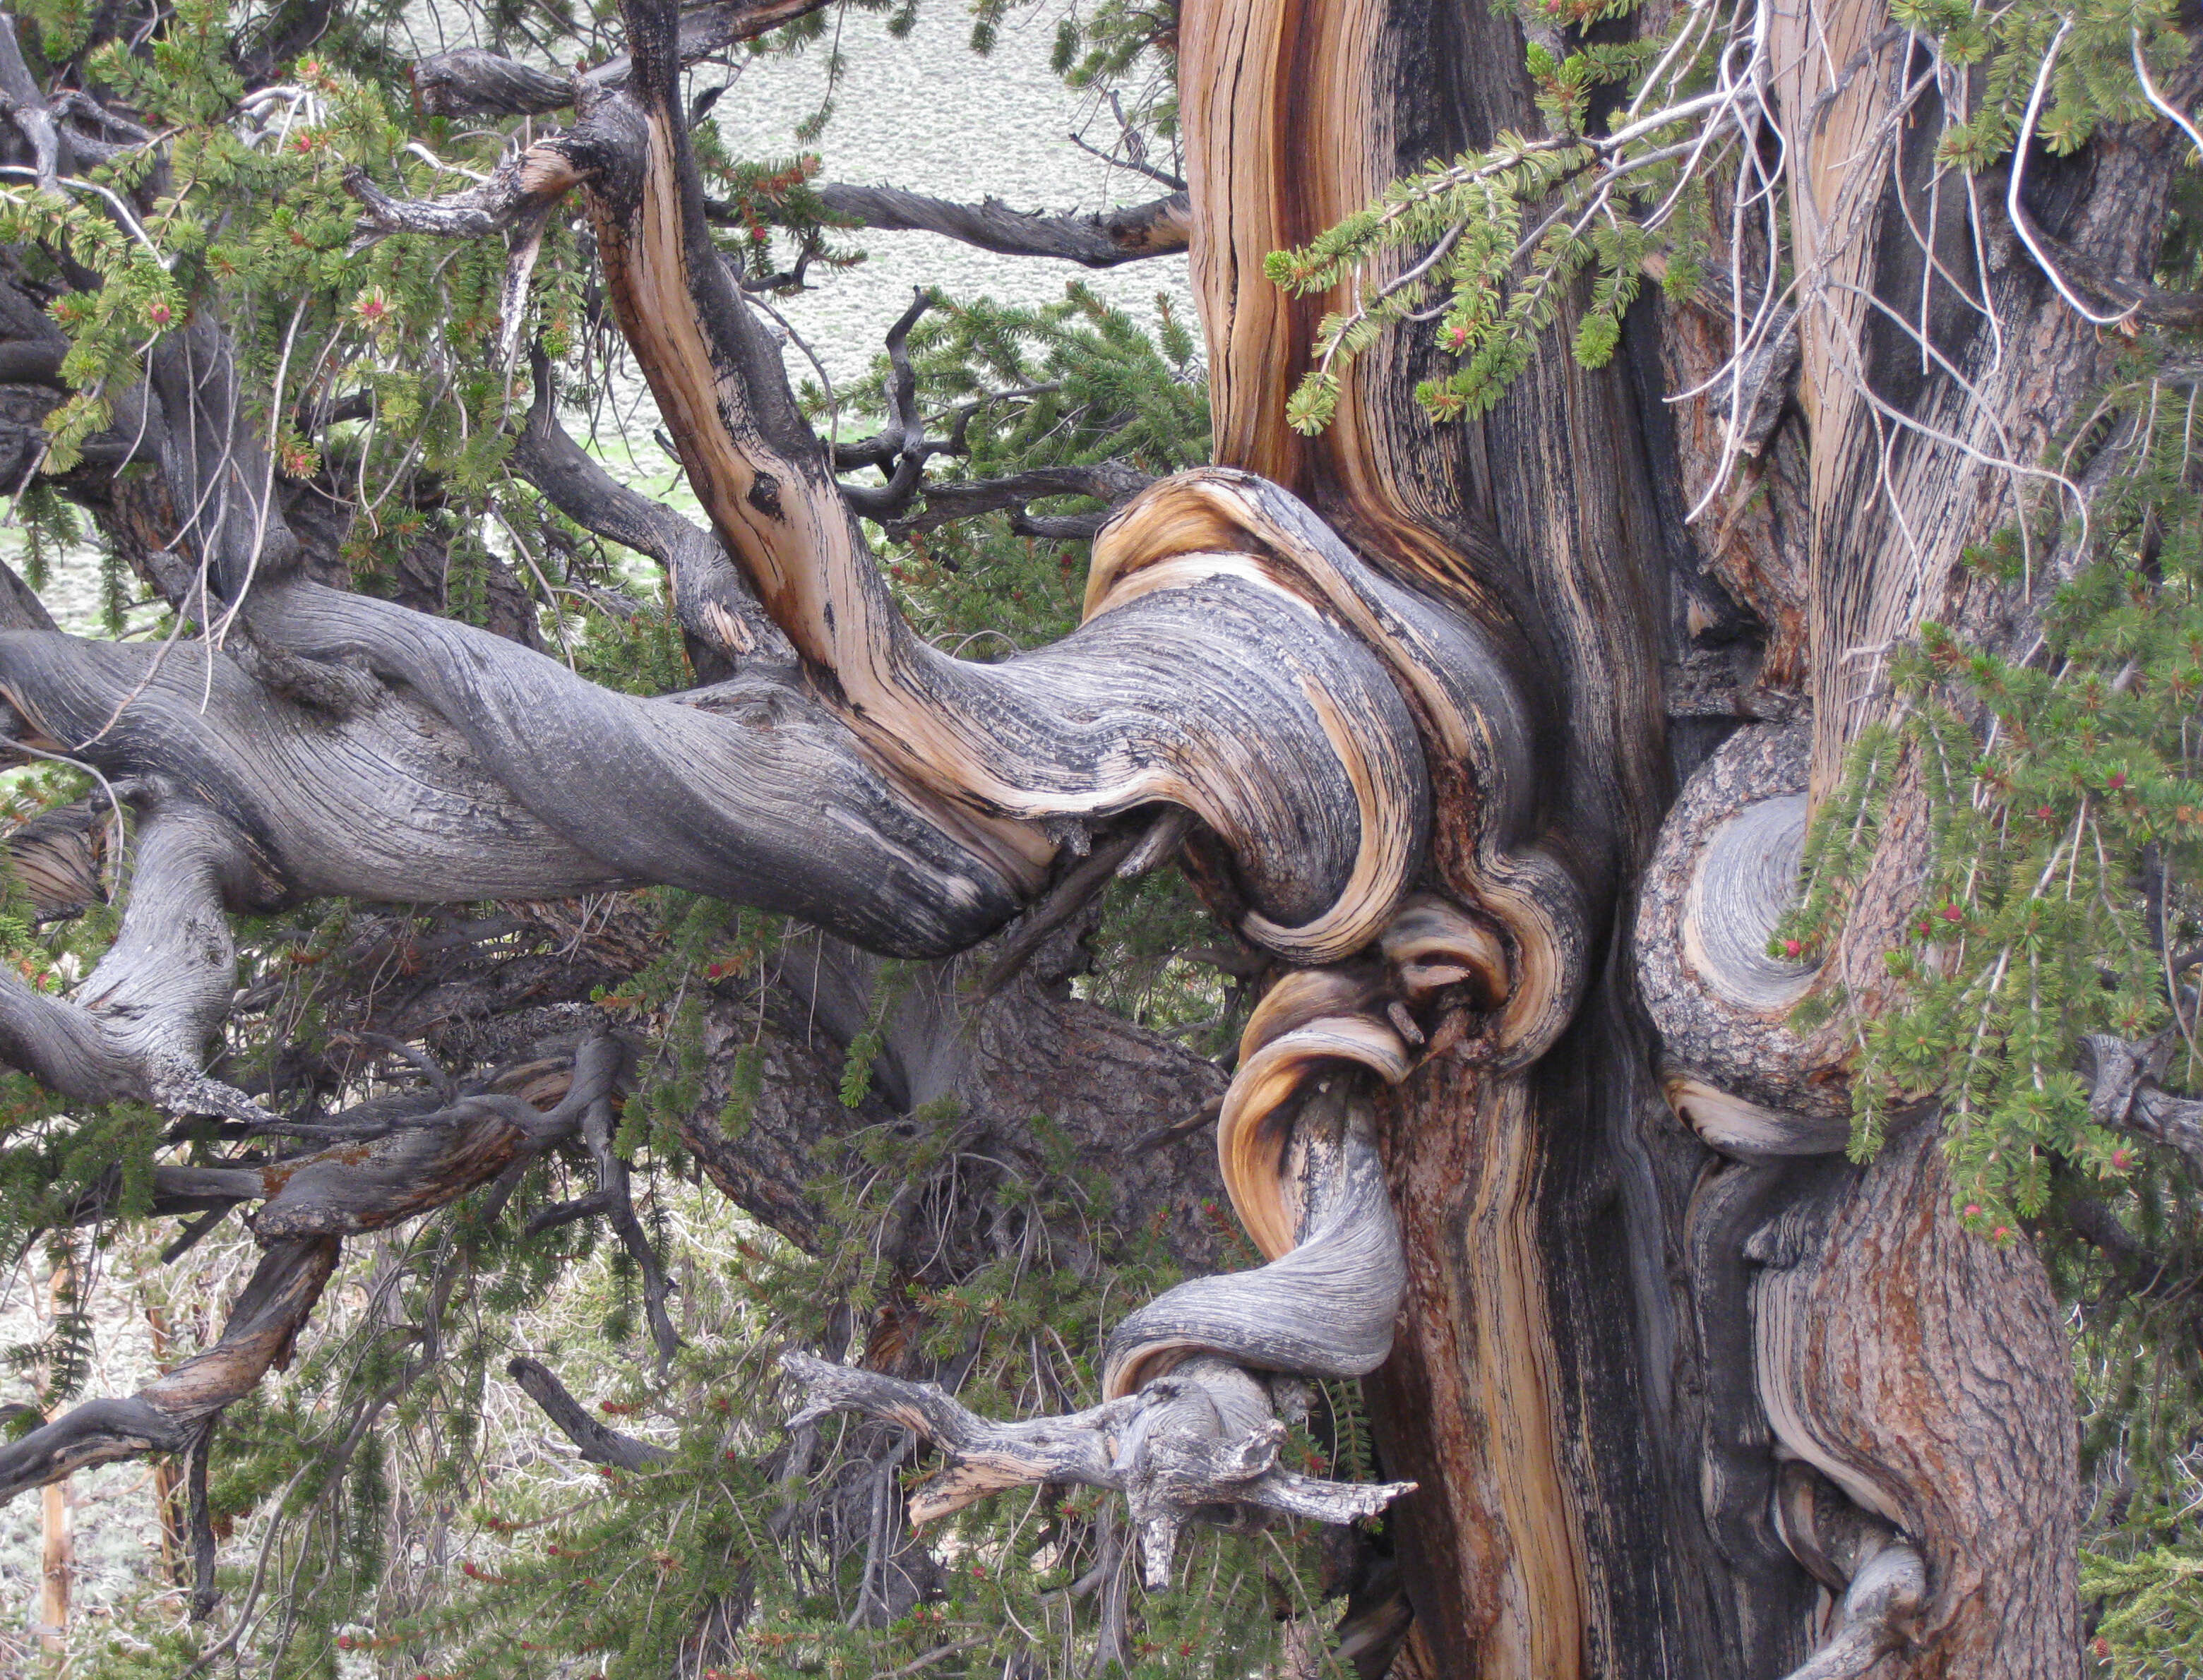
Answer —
(289, 301)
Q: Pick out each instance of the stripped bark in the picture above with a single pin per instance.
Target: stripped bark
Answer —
(1408, 682)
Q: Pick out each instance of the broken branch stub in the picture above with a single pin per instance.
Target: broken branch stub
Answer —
(1187, 1430)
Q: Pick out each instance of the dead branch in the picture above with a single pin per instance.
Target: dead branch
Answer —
(472, 82)
(167, 1414)
(1097, 240)
(598, 1444)
(1112, 482)
(1169, 1449)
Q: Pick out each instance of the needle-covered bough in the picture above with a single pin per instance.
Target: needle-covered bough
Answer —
(1241, 678)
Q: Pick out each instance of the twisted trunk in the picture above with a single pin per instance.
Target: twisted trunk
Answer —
(1452, 723)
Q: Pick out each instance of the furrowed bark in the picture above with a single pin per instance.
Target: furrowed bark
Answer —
(1408, 679)
(1924, 422)
(391, 802)
(1100, 239)
(1322, 828)
(1924, 1371)
(59, 857)
(1032, 1048)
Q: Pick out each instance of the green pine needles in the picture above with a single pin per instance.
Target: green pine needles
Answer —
(1653, 160)
(2064, 830)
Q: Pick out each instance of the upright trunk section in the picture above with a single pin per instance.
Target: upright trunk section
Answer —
(1539, 1542)
(1682, 1391)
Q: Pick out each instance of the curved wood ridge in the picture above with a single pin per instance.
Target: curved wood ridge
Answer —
(1220, 613)
(1229, 693)
(1922, 1370)
(1724, 873)
(1215, 522)
(1325, 1305)
(1306, 1022)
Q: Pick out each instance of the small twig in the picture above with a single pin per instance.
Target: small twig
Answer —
(1139, 165)
(1148, 1141)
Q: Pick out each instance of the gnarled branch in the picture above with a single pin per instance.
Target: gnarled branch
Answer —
(1099, 239)
(167, 1414)
(472, 82)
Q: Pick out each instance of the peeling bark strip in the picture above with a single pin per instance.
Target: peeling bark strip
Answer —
(310, 1201)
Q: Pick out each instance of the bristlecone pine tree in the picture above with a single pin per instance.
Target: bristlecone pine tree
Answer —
(1649, 724)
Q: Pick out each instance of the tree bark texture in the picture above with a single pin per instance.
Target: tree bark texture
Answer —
(1585, 1372)
(1501, 763)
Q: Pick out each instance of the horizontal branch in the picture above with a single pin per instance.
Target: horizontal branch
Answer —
(1111, 482)
(138, 1026)
(1098, 239)
(524, 182)
(472, 82)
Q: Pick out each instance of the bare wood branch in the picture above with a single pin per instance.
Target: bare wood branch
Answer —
(597, 1443)
(523, 183)
(1098, 239)
(167, 1414)
(472, 82)
(1167, 1448)
(1873, 1617)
